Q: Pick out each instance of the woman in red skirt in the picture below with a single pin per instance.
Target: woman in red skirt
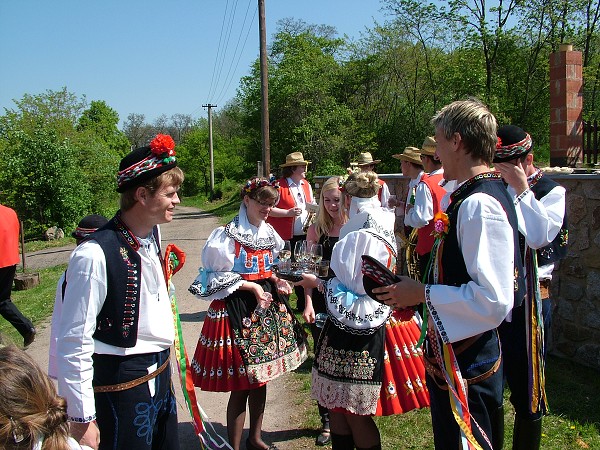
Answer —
(249, 335)
(366, 361)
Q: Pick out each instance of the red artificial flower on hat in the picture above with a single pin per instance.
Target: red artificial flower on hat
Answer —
(161, 144)
(499, 143)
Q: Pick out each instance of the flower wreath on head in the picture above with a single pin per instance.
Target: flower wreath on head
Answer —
(163, 146)
(342, 180)
(258, 182)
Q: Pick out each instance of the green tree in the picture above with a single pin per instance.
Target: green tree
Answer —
(44, 182)
(101, 121)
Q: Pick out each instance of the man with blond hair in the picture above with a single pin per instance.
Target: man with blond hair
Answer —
(476, 279)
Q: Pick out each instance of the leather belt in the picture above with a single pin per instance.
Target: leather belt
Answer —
(133, 383)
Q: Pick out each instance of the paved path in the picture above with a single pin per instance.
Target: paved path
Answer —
(189, 230)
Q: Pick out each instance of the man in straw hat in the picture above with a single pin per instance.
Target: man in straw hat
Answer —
(366, 163)
(540, 204)
(116, 330)
(412, 167)
(428, 197)
(290, 213)
(478, 277)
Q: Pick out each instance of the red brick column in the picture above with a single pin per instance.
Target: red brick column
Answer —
(566, 106)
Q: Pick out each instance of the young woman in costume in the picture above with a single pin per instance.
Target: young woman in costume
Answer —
(325, 231)
(249, 335)
(366, 362)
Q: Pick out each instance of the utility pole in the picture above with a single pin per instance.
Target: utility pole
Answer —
(210, 149)
(264, 89)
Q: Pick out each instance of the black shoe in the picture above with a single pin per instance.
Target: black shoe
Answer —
(29, 337)
(323, 438)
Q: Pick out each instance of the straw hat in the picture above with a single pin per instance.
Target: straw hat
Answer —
(294, 159)
(429, 146)
(365, 159)
(410, 154)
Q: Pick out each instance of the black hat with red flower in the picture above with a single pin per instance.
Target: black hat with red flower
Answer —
(148, 162)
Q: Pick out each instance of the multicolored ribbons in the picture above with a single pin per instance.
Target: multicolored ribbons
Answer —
(174, 260)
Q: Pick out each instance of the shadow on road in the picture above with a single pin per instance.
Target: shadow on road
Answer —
(192, 317)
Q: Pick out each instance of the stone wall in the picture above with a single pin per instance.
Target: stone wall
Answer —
(576, 281)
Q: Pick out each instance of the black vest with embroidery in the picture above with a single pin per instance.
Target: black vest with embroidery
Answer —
(541, 185)
(117, 322)
(453, 264)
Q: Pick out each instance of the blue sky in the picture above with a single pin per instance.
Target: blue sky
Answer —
(150, 57)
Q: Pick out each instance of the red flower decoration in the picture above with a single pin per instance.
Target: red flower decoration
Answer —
(161, 144)
(499, 143)
(441, 224)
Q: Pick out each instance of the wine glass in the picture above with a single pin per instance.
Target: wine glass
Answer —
(300, 252)
(284, 255)
(316, 254)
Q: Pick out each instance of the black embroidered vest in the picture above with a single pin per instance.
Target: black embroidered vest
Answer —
(453, 264)
(117, 322)
(557, 249)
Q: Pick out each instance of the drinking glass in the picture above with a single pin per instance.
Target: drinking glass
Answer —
(316, 254)
(284, 255)
(300, 253)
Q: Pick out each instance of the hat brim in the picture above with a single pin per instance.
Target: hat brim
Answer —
(375, 161)
(409, 159)
(145, 177)
(296, 163)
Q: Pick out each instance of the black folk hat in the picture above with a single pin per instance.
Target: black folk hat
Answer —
(145, 163)
(513, 143)
(88, 225)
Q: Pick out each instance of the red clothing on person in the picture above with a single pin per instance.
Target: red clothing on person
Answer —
(9, 237)
(285, 225)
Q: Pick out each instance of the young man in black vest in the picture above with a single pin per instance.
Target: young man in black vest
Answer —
(116, 326)
(540, 204)
(475, 281)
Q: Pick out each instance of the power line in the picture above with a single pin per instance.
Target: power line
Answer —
(228, 78)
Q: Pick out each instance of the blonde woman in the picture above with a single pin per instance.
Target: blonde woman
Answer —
(325, 231)
(32, 415)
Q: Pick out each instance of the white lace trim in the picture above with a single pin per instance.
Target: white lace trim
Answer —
(360, 399)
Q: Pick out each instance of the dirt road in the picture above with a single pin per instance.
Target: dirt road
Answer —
(189, 231)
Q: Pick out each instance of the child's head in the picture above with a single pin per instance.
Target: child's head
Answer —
(30, 409)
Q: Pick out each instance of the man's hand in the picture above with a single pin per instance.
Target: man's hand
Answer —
(403, 294)
(86, 433)
(514, 175)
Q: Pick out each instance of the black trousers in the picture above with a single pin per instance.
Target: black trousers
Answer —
(134, 419)
(8, 309)
(516, 361)
(484, 397)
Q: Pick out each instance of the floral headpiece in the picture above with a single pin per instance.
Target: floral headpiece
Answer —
(257, 182)
(342, 180)
(163, 146)
(147, 162)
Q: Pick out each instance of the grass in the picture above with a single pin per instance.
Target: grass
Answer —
(35, 303)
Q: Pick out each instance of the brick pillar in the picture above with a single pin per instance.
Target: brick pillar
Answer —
(566, 106)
